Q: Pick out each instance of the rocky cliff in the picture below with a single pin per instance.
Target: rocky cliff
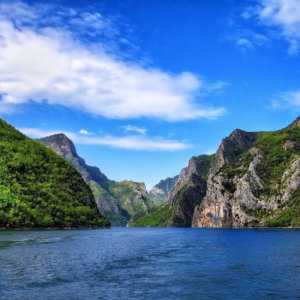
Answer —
(189, 190)
(118, 201)
(254, 181)
(160, 192)
(182, 198)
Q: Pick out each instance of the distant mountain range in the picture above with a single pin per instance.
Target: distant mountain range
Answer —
(253, 180)
(118, 201)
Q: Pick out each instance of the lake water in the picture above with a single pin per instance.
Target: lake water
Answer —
(124, 263)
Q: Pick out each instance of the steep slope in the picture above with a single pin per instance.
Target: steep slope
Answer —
(133, 197)
(255, 181)
(39, 189)
(252, 180)
(118, 201)
(188, 191)
(160, 192)
(97, 181)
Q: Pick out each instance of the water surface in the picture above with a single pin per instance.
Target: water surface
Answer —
(125, 263)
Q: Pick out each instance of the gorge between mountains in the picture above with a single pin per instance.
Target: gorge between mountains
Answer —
(253, 180)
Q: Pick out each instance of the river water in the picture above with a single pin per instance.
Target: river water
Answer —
(136, 263)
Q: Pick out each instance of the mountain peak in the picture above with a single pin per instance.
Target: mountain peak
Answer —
(60, 143)
(239, 140)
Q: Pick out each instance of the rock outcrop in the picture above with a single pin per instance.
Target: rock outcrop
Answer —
(189, 190)
(254, 181)
(160, 192)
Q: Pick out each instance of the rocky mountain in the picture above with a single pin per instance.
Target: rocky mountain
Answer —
(118, 201)
(253, 180)
(160, 192)
(186, 193)
(256, 186)
(40, 189)
(189, 190)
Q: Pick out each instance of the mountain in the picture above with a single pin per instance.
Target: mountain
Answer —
(40, 189)
(187, 191)
(160, 192)
(252, 181)
(255, 181)
(118, 201)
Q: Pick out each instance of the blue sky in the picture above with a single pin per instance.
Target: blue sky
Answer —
(141, 86)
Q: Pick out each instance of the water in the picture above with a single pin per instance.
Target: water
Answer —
(149, 264)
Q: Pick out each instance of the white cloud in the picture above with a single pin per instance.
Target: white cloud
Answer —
(41, 62)
(124, 142)
(136, 129)
(244, 43)
(248, 39)
(284, 15)
(84, 131)
(287, 100)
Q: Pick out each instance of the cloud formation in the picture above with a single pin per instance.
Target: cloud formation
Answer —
(43, 60)
(283, 15)
(287, 100)
(123, 142)
(135, 129)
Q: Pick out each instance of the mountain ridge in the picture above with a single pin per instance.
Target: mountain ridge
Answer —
(253, 180)
(118, 201)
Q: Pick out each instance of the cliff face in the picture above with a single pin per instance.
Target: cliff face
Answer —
(189, 190)
(118, 201)
(40, 189)
(254, 181)
(160, 192)
(218, 207)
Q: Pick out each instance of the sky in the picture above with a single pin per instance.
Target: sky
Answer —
(141, 86)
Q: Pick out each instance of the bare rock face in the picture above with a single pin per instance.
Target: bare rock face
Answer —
(232, 146)
(64, 147)
(218, 208)
(160, 192)
(246, 185)
(189, 190)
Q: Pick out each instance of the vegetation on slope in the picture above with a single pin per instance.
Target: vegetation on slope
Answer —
(289, 216)
(276, 159)
(132, 197)
(159, 217)
(279, 150)
(38, 188)
(187, 194)
(110, 206)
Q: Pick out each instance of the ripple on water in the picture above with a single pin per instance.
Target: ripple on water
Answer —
(146, 264)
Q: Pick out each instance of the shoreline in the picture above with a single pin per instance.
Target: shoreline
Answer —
(111, 227)
(51, 228)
